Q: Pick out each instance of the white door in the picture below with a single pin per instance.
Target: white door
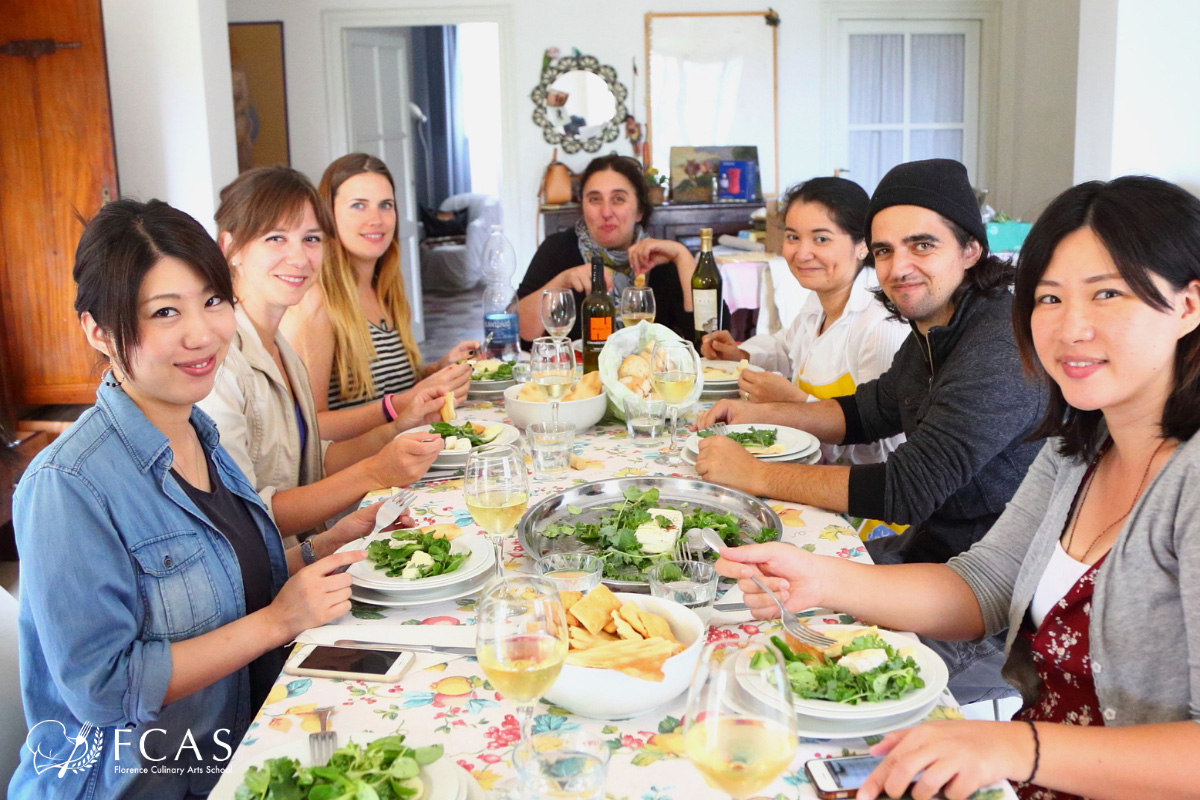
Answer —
(376, 70)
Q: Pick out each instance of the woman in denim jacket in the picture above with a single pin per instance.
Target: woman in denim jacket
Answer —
(156, 595)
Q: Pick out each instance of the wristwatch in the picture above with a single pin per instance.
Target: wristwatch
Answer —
(307, 554)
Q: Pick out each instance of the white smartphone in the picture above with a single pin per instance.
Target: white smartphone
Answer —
(351, 663)
(839, 778)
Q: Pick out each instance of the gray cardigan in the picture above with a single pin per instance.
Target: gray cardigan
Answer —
(1145, 616)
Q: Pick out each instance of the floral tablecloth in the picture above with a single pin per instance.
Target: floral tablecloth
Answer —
(448, 701)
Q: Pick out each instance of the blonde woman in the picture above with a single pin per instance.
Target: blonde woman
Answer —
(352, 331)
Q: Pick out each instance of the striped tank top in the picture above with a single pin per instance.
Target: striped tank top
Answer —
(391, 370)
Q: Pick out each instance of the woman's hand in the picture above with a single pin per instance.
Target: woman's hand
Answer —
(760, 386)
(315, 595)
(405, 458)
(720, 345)
(722, 460)
(649, 253)
(460, 352)
(955, 757)
(793, 573)
(578, 279)
(454, 378)
(420, 405)
(347, 529)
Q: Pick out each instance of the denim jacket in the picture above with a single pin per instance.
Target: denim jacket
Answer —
(117, 563)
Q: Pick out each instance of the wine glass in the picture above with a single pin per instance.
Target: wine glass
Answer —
(637, 304)
(496, 488)
(558, 311)
(738, 740)
(673, 369)
(552, 367)
(521, 639)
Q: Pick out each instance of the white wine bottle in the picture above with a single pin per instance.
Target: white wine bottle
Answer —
(707, 299)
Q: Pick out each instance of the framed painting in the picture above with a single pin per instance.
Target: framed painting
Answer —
(259, 94)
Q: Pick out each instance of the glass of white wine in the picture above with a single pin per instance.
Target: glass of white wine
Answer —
(552, 367)
(637, 304)
(496, 488)
(673, 369)
(521, 639)
(558, 311)
(740, 742)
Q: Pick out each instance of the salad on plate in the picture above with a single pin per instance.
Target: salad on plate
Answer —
(492, 369)
(409, 555)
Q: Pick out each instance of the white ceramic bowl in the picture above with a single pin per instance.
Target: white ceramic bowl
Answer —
(580, 413)
(608, 694)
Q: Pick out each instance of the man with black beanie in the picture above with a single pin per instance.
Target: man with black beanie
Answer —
(955, 389)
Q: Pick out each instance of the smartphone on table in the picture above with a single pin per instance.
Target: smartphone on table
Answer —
(350, 663)
(839, 778)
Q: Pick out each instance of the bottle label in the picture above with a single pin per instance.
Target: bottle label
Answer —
(502, 327)
(704, 308)
(599, 329)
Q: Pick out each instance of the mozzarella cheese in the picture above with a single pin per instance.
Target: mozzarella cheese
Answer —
(412, 570)
(656, 539)
(861, 661)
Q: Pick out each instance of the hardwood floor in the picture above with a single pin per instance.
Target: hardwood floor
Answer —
(450, 319)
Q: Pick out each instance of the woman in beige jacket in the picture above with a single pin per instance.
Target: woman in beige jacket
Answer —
(271, 226)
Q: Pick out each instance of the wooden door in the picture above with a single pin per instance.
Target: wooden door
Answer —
(56, 160)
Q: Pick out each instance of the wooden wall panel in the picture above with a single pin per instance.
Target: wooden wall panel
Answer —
(56, 160)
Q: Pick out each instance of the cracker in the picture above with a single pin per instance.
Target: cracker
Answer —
(443, 530)
(657, 626)
(595, 609)
(448, 407)
(633, 615)
(532, 393)
(639, 658)
(624, 629)
(569, 599)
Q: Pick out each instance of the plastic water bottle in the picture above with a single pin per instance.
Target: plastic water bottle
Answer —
(499, 299)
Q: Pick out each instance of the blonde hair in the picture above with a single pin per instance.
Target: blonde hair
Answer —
(352, 347)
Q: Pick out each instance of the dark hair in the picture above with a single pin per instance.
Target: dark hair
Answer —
(119, 246)
(628, 168)
(990, 276)
(844, 199)
(261, 198)
(1146, 225)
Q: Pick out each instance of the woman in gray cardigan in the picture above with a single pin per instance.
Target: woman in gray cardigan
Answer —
(1094, 568)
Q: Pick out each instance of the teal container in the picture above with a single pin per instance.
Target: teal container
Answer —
(1007, 236)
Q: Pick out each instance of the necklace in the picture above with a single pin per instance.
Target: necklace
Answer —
(1128, 511)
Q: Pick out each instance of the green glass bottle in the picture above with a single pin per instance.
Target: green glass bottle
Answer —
(597, 316)
(707, 300)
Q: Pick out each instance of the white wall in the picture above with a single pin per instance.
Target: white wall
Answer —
(172, 105)
(1094, 91)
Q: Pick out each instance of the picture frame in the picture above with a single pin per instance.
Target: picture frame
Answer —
(256, 57)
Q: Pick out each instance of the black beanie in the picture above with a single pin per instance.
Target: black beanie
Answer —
(939, 184)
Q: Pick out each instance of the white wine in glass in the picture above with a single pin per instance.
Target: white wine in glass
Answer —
(496, 490)
(739, 742)
(673, 369)
(521, 639)
(552, 366)
(637, 303)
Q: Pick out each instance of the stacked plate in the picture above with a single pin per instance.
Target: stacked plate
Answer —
(374, 586)
(488, 390)
(796, 445)
(457, 459)
(717, 388)
(825, 719)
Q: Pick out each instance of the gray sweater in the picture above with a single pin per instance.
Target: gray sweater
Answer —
(1144, 630)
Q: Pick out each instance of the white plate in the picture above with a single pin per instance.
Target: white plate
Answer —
(458, 459)
(488, 389)
(393, 600)
(931, 669)
(690, 458)
(727, 366)
(443, 779)
(479, 556)
(796, 443)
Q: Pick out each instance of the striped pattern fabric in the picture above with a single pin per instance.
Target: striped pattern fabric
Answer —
(391, 370)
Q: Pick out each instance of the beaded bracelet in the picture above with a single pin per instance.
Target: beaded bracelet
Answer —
(1037, 752)
(389, 411)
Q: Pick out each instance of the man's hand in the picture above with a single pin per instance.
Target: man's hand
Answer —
(731, 411)
(724, 461)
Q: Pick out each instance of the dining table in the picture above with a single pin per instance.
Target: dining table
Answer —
(447, 700)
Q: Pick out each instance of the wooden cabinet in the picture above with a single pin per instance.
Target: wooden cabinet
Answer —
(682, 222)
(57, 161)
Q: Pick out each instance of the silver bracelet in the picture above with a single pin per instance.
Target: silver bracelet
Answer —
(307, 554)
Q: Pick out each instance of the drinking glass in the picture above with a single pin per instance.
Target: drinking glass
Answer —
(558, 311)
(690, 583)
(521, 639)
(496, 488)
(571, 572)
(637, 304)
(673, 369)
(644, 421)
(740, 742)
(552, 366)
(550, 443)
(562, 765)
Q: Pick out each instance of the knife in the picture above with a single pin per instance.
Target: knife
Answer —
(453, 650)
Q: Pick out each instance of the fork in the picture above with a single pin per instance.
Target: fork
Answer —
(322, 744)
(720, 429)
(792, 623)
(387, 513)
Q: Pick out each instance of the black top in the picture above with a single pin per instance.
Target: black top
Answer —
(228, 514)
(560, 252)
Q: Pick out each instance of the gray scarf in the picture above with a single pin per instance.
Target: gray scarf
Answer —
(617, 260)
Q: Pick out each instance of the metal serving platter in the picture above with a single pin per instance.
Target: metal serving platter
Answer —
(597, 497)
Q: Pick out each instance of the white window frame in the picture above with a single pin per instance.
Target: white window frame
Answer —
(982, 79)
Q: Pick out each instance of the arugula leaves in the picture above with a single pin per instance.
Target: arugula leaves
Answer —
(464, 431)
(755, 437)
(385, 769)
(828, 680)
(393, 559)
(500, 373)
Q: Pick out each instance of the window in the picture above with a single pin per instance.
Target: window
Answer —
(910, 90)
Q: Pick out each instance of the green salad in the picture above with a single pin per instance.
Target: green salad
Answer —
(826, 678)
(410, 555)
(755, 437)
(627, 551)
(385, 769)
(503, 372)
(465, 431)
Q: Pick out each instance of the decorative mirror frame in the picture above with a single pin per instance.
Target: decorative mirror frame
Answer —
(573, 144)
